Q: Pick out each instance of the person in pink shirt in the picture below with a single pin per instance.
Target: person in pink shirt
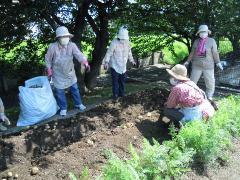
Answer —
(60, 67)
(186, 99)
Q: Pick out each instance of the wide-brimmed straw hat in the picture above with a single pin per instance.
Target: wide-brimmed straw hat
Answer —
(203, 28)
(63, 31)
(178, 72)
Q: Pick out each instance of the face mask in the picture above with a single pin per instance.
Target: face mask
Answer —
(203, 35)
(64, 41)
(173, 81)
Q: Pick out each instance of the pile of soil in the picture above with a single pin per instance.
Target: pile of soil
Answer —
(58, 148)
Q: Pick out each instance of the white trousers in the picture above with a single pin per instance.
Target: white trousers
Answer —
(209, 79)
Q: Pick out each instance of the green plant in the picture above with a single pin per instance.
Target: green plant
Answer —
(72, 176)
(85, 174)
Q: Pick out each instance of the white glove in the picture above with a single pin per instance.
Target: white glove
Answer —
(105, 66)
(134, 63)
(219, 65)
(186, 63)
(4, 118)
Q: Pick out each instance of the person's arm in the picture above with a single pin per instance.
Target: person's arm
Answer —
(3, 117)
(49, 56)
(80, 56)
(173, 98)
(1, 106)
(190, 56)
(48, 59)
(109, 52)
(130, 56)
(215, 53)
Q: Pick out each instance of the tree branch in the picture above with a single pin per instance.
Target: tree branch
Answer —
(57, 20)
(92, 24)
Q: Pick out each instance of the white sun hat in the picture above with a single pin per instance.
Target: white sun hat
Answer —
(63, 31)
(203, 28)
(123, 33)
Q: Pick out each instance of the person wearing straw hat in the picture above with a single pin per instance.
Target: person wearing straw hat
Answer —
(203, 55)
(118, 53)
(60, 66)
(3, 117)
(185, 100)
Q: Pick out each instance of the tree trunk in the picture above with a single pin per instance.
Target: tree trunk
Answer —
(99, 51)
(235, 44)
(80, 24)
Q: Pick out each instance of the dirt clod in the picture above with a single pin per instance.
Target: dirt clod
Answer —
(9, 174)
(34, 170)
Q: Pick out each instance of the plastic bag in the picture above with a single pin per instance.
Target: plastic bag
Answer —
(36, 101)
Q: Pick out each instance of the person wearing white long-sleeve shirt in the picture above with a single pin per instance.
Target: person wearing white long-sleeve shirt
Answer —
(118, 53)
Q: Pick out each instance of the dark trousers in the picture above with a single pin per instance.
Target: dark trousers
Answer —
(118, 83)
(173, 114)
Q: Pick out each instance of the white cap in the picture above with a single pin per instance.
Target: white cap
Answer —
(203, 28)
(62, 31)
(123, 33)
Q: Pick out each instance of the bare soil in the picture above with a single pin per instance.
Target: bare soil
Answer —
(58, 148)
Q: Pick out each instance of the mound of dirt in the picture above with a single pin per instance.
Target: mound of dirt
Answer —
(71, 144)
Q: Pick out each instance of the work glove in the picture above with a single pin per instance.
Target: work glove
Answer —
(87, 66)
(186, 63)
(105, 66)
(49, 72)
(4, 118)
(219, 65)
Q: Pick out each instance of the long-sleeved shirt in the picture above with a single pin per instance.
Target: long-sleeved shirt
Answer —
(1, 106)
(55, 50)
(184, 95)
(211, 56)
(118, 54)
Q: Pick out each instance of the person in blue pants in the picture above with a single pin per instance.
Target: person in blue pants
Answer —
(118, 53)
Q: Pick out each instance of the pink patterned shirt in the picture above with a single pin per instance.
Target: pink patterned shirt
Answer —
(184, 95)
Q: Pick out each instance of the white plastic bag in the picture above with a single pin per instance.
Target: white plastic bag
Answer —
(36, 101)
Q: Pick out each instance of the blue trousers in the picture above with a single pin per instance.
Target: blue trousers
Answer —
(61, 98)
(118, 83)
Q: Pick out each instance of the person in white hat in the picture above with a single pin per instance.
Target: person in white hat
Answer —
(204, 55)
(60, 66)
(118, 53)
(3, 117)
(186, 101)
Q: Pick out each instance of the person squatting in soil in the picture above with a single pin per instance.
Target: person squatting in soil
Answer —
(203, 55)
(116, 58)
(186, 101)
(60, 66)
(3, 117)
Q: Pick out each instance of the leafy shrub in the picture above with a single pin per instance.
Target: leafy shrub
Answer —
(153, 162)
(208, 140)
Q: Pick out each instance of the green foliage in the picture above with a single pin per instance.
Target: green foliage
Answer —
(208, 140)
(153, 162)
(25, 60)
(72, 176)
(175, 52)
(85, 174)
(116, 169)
(225, 47)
